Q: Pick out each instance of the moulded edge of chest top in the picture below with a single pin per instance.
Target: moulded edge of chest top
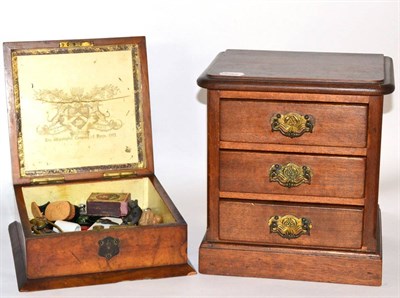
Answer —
(295, 97)
(238, 83)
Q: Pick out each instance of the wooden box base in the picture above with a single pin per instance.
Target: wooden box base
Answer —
(144, 252)
(26, 284)
(292, 263)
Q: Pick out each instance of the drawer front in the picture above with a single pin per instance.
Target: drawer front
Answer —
(291, 224)
(328, 176)
(294, 123)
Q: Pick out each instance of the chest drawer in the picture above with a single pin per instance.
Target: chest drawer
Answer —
(291, 123)
(331, 176)
(287, 224)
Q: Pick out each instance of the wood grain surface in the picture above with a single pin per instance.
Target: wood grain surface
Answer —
(38, 284)
(242, 171)
(299, 66)
(306, 72)
(249, 121)
(248, 222)
(78, 253)
(291, 263)
(343, 93)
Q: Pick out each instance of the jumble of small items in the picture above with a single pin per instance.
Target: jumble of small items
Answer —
(101, 211)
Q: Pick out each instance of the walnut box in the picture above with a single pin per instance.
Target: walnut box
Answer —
(79, 122)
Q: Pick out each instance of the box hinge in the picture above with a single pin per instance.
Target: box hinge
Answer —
(75, 44)
(48, 180)
(120, 174)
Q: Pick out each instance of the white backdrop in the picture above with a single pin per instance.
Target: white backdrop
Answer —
(182, 39)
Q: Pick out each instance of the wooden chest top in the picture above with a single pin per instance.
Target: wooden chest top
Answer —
(308, 72)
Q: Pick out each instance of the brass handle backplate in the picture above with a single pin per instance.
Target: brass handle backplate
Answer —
(289, 226)
(290, 174)
(108, 247)
(292, 125)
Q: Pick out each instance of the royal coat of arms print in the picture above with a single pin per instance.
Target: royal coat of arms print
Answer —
(78, 112)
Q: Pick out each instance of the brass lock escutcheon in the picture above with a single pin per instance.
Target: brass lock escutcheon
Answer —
(289, 226)
(108, 247)
(290, 174)
(292, 125)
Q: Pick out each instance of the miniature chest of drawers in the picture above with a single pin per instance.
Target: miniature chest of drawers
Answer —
(293, 165)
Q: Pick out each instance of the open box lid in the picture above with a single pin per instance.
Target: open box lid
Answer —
(78, 109)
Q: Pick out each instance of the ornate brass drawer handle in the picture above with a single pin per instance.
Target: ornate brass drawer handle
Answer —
(290, 174)
(292, 125)
(289, 226)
